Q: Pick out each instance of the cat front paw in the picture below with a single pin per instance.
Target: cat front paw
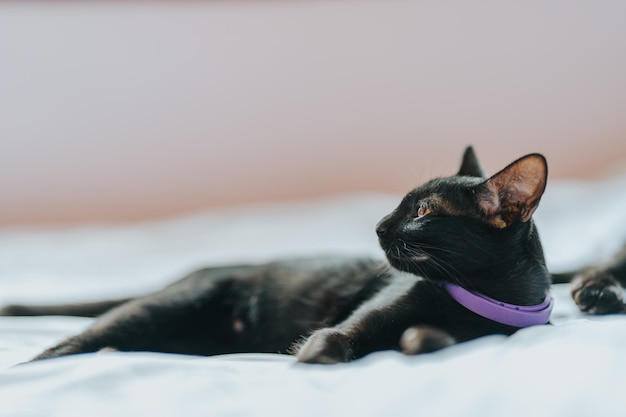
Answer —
(597, 292)
(424, 339)
(326, 346)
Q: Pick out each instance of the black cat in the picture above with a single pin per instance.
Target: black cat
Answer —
(464, 261)
(599, 289)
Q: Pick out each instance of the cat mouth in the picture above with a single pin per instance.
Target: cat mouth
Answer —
(395, 253)
(411, 264)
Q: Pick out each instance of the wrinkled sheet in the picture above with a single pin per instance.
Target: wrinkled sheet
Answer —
(576, 367)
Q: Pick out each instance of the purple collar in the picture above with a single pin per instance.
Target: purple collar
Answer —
(510, 314)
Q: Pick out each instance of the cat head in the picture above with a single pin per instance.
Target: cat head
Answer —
(449, 227)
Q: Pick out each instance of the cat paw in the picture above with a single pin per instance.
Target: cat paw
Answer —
(597, 292)
(325, 346)
(424, 339)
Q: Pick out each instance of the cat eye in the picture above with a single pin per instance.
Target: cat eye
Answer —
(423, 211)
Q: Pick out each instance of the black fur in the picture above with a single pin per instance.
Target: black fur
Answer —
(463, 229)
(599, 289)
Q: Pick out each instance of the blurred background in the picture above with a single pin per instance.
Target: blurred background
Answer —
(124, 111)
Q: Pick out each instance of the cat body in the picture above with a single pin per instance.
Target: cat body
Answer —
(466, 231)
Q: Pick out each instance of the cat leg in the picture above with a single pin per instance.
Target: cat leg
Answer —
(187, 320)
(597, 291)
(424, 339)
(375, 325)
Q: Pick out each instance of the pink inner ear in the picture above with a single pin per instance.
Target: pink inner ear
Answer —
(488, 199)
(515, 191)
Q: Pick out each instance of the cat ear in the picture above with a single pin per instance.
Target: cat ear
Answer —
(470, 167)
(514, 192)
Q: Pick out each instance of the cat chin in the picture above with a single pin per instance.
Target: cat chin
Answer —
(407, 264)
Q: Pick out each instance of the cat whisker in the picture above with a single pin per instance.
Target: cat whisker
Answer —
(414, 252)
(422, 246)
(415, 255)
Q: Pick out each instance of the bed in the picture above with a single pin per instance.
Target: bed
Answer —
(574, 368)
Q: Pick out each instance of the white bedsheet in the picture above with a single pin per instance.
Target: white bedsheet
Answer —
(575, 368)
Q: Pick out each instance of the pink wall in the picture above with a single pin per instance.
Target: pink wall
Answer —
(131, 111)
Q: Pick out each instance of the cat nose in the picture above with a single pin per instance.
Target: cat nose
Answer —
(381, 229)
